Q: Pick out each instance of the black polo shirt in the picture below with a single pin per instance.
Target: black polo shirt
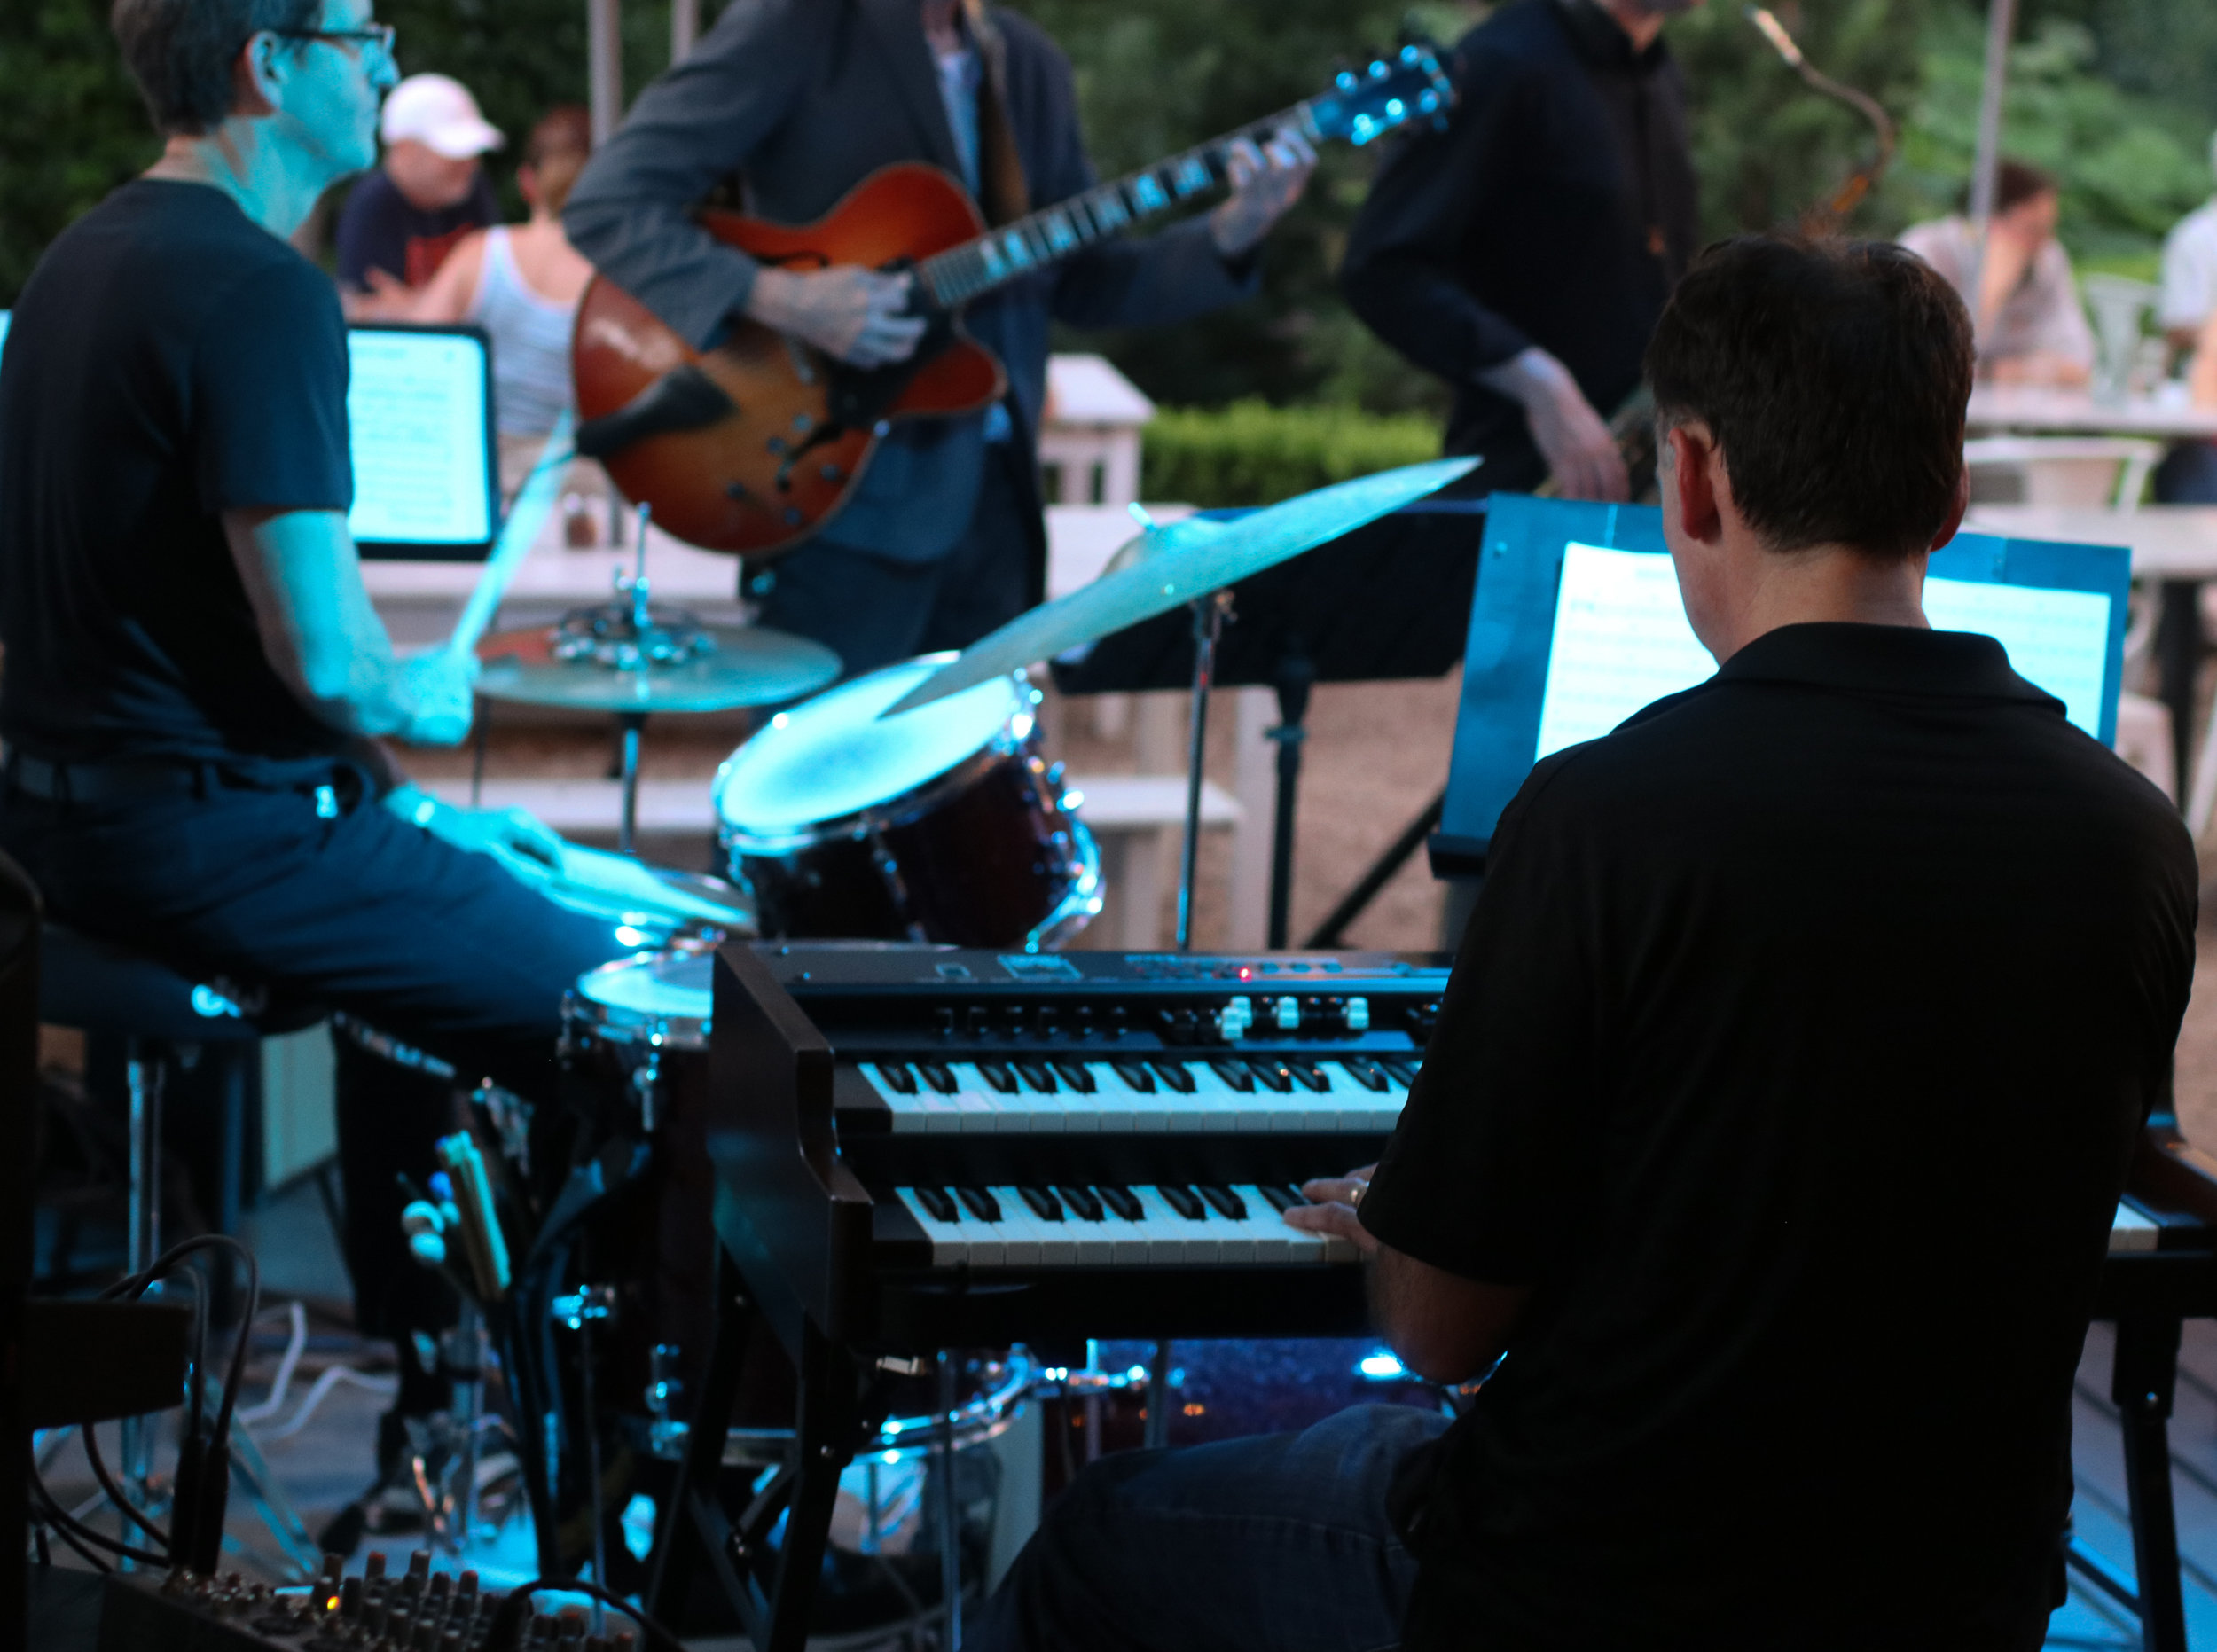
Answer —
(1558, 208)
(1793, 1057)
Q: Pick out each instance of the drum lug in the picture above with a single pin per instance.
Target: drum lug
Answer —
(646, 1082)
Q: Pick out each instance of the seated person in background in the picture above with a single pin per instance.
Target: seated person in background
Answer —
(196, 680)
(2030, 328)
(1763, 1161)
(2188, 474)
(401, 222)
(522, 284)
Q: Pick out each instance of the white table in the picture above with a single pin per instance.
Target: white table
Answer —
(2036, 409)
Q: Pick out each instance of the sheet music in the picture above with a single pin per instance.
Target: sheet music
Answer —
(416, 411)
(1621, 640)
(2058, 639)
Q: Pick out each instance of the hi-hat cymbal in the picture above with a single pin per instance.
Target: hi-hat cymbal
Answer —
(1168, 565)
(748, 665)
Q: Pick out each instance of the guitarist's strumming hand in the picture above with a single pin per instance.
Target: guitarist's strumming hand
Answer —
(1266, 179)
(855, 314)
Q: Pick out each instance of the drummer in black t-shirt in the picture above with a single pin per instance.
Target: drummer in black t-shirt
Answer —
(194, 672)
(1776, 1117)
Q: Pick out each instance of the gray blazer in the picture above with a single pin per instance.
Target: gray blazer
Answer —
(804, 97)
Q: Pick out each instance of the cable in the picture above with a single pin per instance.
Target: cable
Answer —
(295, 1345)
(332, 1377)
(123, 1505)
(69, 1530)
(506, 1632)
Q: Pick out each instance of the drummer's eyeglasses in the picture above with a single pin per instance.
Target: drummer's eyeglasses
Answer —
(377, 34)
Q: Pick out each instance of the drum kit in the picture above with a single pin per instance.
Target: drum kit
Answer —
(910, 804)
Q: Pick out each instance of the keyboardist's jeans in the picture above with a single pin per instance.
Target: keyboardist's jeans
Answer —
(1280, 1540)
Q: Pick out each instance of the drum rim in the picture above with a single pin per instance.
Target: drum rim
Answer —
(620, 1023)
(903, 806)
(1081, 904)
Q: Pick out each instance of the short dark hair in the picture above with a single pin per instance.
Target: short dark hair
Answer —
(2017, 181)
(1834, 376)
(181, 52)
(557, 151)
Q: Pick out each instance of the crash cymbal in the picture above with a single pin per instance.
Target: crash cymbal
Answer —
(686, 666)
(1165, 567)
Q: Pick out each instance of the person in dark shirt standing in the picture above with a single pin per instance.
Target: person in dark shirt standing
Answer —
(428, 195)
(1777, 1114)
(195, 679)
(1523, 254)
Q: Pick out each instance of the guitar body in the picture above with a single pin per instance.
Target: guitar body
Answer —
(762, 476)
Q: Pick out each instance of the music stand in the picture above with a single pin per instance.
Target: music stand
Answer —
(1389, 601)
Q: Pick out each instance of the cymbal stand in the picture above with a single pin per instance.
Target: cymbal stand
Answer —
(634, 722)
(1209, 614)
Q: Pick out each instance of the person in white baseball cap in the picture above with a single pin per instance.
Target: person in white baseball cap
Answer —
(429, 192)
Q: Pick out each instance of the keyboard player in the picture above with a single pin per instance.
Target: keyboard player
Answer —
(1774, 1120)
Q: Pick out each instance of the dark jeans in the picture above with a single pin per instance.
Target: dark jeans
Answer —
(872, 610)
(2188, 474)
(363, 913)
(1279, 1541)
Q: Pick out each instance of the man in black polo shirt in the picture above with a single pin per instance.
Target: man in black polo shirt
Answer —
(1778, 1109)
(1524, 253)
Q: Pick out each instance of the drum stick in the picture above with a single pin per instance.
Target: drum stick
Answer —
(518, 533)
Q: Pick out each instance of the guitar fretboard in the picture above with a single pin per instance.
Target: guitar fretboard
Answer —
(965, 272)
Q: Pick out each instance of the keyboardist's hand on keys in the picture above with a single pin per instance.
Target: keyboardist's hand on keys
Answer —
(1331, 1208)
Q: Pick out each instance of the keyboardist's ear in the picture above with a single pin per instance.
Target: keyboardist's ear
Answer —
(1693, 482)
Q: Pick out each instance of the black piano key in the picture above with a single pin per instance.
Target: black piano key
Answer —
(938, 1077)
(1183, 1200)
(1080, 1203)
(1275, 1075)
(1310, 1075)
(896, 1073)
(999, 1076)
(1174, 1074)
(1365, 1073)
(1228, 1204)
(1074, 1074)
(1120, 1201)
(1233, 1073)
(1035, 1074)
(1404, 1072)
(1135, 1074)
(1283, 1198)
(936, 1201)
(981, 1201)
(1043, 1203)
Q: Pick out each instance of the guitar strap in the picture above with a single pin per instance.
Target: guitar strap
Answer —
(1001, 187)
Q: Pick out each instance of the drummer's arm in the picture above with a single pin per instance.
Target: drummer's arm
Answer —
(303, 578)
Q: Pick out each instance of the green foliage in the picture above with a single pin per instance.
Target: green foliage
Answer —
(2130, 166)
(1252, 453)
(72, 126)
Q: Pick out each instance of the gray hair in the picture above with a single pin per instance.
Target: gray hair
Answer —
(181, 52)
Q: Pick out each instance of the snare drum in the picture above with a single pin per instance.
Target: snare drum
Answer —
(942, 824)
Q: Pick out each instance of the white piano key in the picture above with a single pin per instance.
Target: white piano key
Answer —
(1057, 1241)
(1092, 1244)
(987, 1240)
(950, 1244)
(1172, 1238)
(1128, 1241)
(1264, 1229)
(908, 1113)
(1114, 1104)
(2129, 1230)
(1213, 1106)
(1018, 1229)
(985, 1108)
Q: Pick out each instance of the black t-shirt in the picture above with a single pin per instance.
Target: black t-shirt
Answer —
(169, 360)
(1793, 1057)
(379, 229)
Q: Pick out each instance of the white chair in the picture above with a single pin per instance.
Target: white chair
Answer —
(2078, 471)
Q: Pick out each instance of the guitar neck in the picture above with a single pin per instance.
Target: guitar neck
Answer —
(963, 273)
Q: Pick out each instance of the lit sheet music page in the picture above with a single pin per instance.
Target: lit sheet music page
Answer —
(416, 414)
(1621, 640)
(2058, 639)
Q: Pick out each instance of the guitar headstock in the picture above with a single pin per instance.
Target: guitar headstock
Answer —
(1364, 104)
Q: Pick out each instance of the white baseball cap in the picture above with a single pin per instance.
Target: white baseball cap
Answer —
(437, 112)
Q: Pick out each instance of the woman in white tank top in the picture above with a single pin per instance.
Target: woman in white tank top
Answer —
(522, 284)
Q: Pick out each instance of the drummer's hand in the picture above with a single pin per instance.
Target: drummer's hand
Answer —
(514, 837)
(1331, 1209)
(859, 316)
(1582, 457)
(434, 697)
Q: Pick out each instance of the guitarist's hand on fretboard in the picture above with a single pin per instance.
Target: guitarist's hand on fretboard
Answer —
(855, 314)
(1266, 179)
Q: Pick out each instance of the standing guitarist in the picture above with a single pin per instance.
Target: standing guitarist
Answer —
(942, 539)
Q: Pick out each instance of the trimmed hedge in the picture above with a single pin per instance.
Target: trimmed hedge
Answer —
(1253, 453)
